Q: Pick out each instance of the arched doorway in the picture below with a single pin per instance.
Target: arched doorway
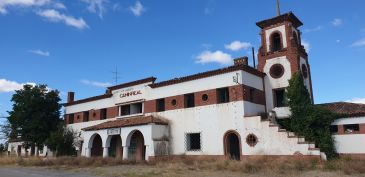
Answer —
(97, 146)
(232, 145)
(137, 149)
(115, 147)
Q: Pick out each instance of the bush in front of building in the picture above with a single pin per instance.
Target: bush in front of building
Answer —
(62, 141)
(308, 120)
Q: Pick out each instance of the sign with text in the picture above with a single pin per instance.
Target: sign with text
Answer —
(129, 94)
(114, 131)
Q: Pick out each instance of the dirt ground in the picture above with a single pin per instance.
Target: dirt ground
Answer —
(166, 171)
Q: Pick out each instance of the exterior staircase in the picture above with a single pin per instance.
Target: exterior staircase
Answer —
(288, 142)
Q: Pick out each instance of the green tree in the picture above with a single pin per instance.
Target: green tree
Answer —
(308, 120)
(35, 114)
(2, 148)
(61, 141)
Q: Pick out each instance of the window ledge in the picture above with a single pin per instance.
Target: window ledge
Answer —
(129, 116)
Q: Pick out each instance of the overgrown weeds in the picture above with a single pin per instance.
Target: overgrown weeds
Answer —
(250, 165)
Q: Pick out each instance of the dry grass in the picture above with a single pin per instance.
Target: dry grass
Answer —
(184, 166)
(71, 162)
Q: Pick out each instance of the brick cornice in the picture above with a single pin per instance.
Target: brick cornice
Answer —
(208, 74)
(95, 98)
(279, 19)
(133, 83)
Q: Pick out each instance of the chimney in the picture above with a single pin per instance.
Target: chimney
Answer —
(70, 97)
(241, 61)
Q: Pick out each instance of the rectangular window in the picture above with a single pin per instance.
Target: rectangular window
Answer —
(350, 128)
(193, 142)
(252, 95)
(223, 95)
(71, 118)
(136, 108)
(189, 100)
(160, 105)
(334, 129)
(125, 110)
(103, 114)
(131, 109)
(85, 116)
(279, 98)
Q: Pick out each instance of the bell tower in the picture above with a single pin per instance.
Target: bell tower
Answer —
(281, 55)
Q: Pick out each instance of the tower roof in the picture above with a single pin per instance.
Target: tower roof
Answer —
(278, 19)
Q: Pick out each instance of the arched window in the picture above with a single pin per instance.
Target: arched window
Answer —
(295, 38)
(276, 42)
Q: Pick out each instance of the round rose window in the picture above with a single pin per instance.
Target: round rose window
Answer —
(276, 71)
(251, 140)
(304, 71)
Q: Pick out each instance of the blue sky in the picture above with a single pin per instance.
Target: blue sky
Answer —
(76, 45)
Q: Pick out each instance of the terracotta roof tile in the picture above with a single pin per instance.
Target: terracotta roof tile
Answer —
(284, 17)
(127, 122)
(346, 110)
(133, 83)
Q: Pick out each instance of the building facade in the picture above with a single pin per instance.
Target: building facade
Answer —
(223, 113)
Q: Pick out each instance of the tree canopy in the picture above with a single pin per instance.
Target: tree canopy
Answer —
(35, 114)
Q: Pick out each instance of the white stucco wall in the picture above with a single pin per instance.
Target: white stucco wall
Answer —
(272, 83)
(306, 80)
(268, 33)
(13, 149)
(350, 143)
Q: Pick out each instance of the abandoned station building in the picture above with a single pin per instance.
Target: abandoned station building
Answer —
(227, 112)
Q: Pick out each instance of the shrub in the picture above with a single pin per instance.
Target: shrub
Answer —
(312, 122)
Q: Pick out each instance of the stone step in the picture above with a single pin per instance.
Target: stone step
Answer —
(312, 145)
(291, 134)
(301, 139)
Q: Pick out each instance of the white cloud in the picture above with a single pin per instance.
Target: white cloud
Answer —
(96, 6)
(4, 4)
(96, 83)
(318, 28)
(40, 52)
(357, 100)
(55, 16)
(59, 5)
(337, 22)
(10, 86)
(306, 45)
(338, 41)
(137, 9)
(359, 43)
(237, 45)
(214, 57)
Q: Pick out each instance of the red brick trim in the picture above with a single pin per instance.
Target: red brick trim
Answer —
(236, 93)
(341, 130)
